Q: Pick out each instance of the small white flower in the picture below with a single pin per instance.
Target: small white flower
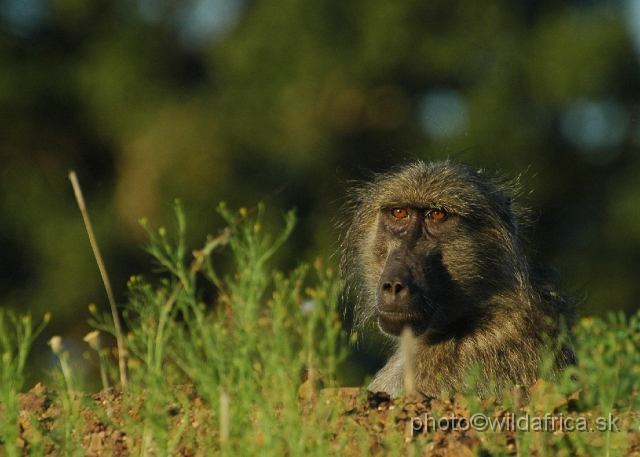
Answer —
(93, 339)
(56, 344)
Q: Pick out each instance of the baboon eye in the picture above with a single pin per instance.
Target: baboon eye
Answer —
(437, 215)
(400, 213)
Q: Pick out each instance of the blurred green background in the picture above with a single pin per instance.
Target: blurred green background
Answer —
(290, 100)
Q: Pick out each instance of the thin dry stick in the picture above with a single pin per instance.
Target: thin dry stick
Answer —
(407, 344)
(122, 360)
(408, 349)
(224, 418)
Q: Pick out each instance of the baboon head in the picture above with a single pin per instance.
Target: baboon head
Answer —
(428, 244)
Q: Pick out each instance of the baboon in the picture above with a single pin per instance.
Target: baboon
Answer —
(435, 247)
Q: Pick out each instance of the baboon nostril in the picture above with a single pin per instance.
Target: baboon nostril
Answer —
(392, 288)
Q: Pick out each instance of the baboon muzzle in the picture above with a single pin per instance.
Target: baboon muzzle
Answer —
(399, 302)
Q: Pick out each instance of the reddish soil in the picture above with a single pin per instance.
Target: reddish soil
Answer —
(362, 414)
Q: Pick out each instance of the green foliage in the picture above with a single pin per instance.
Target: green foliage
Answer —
(613, 343)
(250, 346)
(16, 337)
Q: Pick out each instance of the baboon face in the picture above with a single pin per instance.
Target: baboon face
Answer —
(413, 276)
(427, 243)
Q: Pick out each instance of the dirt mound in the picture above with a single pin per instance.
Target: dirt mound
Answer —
(426, 426)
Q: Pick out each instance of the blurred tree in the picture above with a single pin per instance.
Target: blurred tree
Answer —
(213, 100)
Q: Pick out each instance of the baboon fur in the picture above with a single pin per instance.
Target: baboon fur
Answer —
(435, 246)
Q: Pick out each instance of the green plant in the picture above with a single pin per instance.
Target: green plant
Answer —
(16, 337)
(244, 352)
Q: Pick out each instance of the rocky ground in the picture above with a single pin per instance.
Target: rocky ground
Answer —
(377, 417)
